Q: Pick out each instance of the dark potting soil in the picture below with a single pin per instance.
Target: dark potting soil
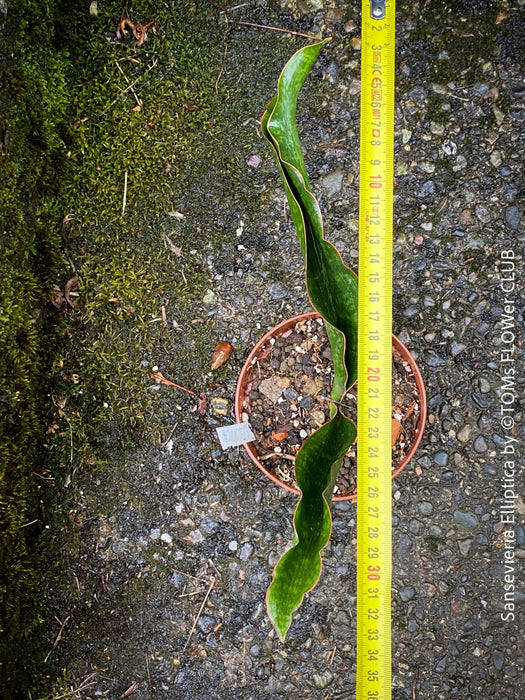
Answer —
(287, 399)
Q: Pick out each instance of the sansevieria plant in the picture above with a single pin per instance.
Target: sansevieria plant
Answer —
(332, 289)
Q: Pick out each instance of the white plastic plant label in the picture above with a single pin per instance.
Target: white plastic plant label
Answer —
(235, 435)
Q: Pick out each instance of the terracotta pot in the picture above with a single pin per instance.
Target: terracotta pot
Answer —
(244, 380)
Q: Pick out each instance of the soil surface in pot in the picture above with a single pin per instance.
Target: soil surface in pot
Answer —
(287, 399)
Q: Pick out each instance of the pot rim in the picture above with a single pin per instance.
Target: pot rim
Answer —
(278, 330)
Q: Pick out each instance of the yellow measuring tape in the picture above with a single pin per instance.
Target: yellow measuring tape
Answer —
(374, 417)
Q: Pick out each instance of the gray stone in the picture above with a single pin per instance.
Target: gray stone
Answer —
(467, 520)
(118, 546)
(483, 214)
(270, 389)
(441, 458)
(461, 162)
(425, 508)
(208, 525)
(484, 385)
(212, 643)
(177, 580)
(464, 547)
(403, 546)
(333, 183)
(246, 551)
(407, 593)
(277, 291)
(323, 680)
(432, 359)
(456, 348)
(307, 402)
(441, 665)
(290, 394)
(480, 445)
(513, 217)
(206, 623)
(428, 189)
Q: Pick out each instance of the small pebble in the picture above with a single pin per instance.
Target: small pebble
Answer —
(467, 520)
(425, 508)
(456, 348)
(464, 433)
(441, 458)
(209, 298)
(246, 551)
(407, 593)
(206, 623)
(323, 679)
(513, 217)
(480, 445)
(219, 406)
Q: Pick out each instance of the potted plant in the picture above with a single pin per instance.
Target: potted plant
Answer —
(332, 290)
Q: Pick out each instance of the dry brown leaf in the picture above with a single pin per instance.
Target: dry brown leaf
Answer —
(140, 31)
(396, 430)
(222, 352)
(58, 299)
(70, 290)
(161, 379)
(132, 688)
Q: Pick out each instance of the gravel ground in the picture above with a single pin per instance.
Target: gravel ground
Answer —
(194, 533)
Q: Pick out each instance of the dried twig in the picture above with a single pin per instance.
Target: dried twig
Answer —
(26, 524)
(137, 99)
(223, 64)
(224, 11)
(122, 92)
(125, 193)
(58, 637)
(414, 685)
(194, 578)
(274, 29)
(210, 588)
(163, 444)
(149, 674)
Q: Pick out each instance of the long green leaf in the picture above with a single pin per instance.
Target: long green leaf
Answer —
(299, 568)
(332, 288)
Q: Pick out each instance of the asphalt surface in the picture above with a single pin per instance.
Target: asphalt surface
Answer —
(172, 569)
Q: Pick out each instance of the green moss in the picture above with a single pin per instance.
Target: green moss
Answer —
(434, 543)
(466, 39)
(32, 155)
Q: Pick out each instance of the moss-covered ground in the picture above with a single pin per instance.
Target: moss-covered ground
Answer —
(105, 145)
